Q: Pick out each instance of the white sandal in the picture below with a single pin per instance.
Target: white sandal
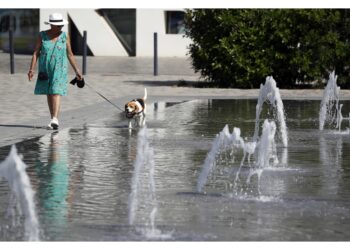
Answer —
(53, 124)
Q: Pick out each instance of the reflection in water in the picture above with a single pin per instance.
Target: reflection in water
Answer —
(53, 180)
(331, 154)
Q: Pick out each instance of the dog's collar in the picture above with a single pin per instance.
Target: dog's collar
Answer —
(140, 105)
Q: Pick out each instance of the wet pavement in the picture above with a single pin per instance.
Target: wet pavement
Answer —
(24, 115)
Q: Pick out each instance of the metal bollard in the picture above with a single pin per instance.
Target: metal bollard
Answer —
(84, 51)
(12, 62)
(155, 55)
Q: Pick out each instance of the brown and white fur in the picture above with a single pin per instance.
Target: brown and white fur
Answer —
(135, 111)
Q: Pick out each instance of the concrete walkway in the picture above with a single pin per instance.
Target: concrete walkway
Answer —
(23, 115)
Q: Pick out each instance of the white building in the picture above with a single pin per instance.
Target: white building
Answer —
(125, 32)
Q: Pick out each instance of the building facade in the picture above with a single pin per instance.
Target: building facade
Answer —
(110, 32)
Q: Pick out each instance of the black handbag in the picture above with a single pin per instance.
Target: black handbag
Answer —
(43, 76)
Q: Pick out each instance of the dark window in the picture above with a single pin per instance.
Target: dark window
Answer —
(25, 26)
(123, 24)
(77, 40)
(29, 21)
(175, 22)
(4, 24)
(7, 22)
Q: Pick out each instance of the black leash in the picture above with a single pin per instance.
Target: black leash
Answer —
(104, 97)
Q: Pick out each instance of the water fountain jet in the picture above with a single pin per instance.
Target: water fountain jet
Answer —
(143, 166)
(266, 152)
(270, 93)
(222, 141)
(144, 162)
(330, 110)
(13, 170)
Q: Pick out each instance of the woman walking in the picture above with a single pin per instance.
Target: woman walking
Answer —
(53, 48)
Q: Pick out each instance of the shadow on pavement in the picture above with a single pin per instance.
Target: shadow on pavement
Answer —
(177, 83)
(22, 126)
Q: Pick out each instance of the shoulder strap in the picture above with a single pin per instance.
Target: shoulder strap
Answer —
(53, 49)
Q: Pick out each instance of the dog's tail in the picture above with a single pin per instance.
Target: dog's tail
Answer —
(145, 95)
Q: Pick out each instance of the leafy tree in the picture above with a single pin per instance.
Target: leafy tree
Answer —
(240, 47)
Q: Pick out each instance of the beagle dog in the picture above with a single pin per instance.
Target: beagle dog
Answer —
(135, 111)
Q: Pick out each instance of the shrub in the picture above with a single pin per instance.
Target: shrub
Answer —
(240, 47)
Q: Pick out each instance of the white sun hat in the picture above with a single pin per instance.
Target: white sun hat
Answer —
(56, 19)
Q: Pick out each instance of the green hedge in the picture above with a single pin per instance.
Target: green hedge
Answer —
(240, 47)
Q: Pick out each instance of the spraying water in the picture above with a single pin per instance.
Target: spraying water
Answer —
(270, 93)
(265, 150)
(144, 162)
(330, 111)
(266, 146)
(248, 148)
(330, 100)
(140, 188)
(13, 170)
(143, 191)
(267, 155)
(222, 140)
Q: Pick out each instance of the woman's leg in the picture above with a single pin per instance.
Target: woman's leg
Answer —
(49, 103)
(54, 102)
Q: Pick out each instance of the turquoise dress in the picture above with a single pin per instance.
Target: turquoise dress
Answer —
(53, 61)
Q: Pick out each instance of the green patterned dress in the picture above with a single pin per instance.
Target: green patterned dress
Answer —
(53, 61)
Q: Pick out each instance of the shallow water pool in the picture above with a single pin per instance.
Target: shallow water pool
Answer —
(82, 178)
